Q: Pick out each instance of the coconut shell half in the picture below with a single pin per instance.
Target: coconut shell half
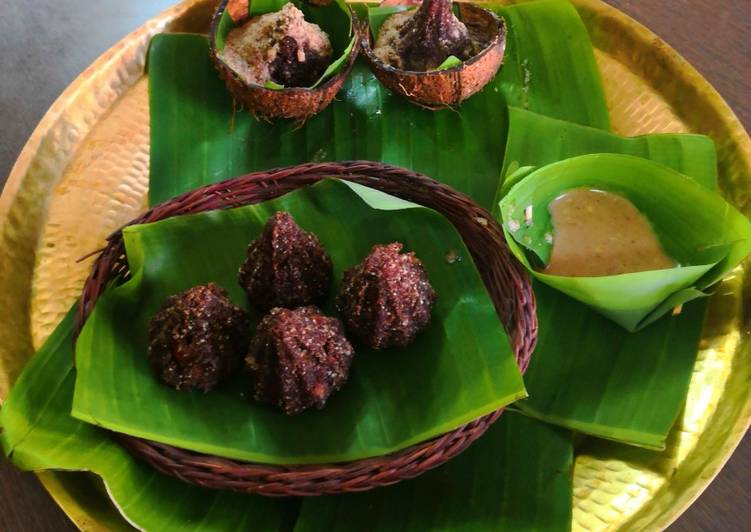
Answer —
(437, 89)
(296, 103)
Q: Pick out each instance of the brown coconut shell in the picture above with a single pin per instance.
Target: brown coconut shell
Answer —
(437, 89)
(296, 103)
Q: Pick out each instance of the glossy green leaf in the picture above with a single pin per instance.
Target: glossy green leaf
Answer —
(450, 62)
(549, 66)
(686, 153)
(515, 477)
(588, 373)
(334, 19)
(393, 398)
(698, 229)
(197, 137)
(38, 433)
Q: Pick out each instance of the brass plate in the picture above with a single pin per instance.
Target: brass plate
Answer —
(84, 171)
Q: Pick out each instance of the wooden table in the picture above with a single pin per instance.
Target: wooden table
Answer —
(46, 43)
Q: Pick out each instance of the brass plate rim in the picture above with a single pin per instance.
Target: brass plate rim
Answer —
(693, 76)
(20, 166)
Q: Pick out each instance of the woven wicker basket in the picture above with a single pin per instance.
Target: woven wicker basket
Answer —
(505, 280)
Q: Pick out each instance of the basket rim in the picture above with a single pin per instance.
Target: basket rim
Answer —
(356, 475)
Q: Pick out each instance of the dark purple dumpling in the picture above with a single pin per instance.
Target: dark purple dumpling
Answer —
(431, 35)
(386, 300)
(287, 69)
(285, 266)
(198, 338)
(298, 358)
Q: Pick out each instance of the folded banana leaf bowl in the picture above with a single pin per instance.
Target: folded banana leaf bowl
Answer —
(705, 234)
(160, 156)
(506, 282)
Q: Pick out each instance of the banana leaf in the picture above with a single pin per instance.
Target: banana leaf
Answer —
(686, 153)
(197, 137)
(38, 433)
(549, 66)
(460, 368)
(588, 373)
(515, 477)
(335, 19)
(380, 14)
(698, 229)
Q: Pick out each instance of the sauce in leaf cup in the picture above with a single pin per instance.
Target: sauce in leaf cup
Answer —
(703, 235)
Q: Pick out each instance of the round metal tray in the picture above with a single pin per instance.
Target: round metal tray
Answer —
(84, 172)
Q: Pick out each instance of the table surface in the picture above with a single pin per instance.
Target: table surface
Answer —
(39, 60)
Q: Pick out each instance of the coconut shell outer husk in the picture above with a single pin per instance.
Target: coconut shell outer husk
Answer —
(438, 89)
(295, 103)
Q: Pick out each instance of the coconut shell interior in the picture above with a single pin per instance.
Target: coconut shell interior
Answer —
(296, 103)
(438, 89)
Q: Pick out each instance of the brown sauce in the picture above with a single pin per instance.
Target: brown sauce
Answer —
(597, 233)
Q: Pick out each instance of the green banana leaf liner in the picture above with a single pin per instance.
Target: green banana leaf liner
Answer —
(461, 373)
(528, 484)
(272, 100)
(704, 234)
